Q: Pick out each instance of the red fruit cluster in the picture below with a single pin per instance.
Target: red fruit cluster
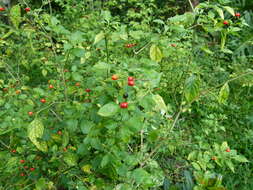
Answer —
(43, 100)
(27, 9)
(115, 77)
(124, 105)
(77, 84)
(130, 81)
(237, 15)
(130, 45)
(225, 22)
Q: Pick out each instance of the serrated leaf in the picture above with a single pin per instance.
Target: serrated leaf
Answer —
(224, 93)
(191, 90)
(109, 109)
(99, 37)
(155, 53)
(35, 131)
(15, 15)
(230, 10)
(240, 158)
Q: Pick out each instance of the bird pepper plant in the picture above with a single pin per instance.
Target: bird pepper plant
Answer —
(91, 103)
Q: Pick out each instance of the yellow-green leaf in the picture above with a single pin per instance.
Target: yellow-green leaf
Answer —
(230, 10)
(99, 37)
(15, 15)
(220, 12)
(35, 132)
(224, 93)
(155, 53)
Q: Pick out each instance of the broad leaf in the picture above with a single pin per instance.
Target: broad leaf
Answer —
(220, 12)
(191, 90)
(224, 93)
(99, 37)
(160, 105)
(230, 10)
(35, 132)
(109, 109)
(15, 15)
(155, 53)
(70, 159)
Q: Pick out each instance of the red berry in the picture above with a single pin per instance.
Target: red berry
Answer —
(77, 84)
(18, 91)
(14, 151)
(214, 158)
(59, 133)
(130, 83)
(51, 86)
(25, 167)
(66, 70)
(22, 161)
(128, 45)
(30, 113)
(32, 169)
(27, 9)
(124, 105)
(87, 90)
(2, 9)
(173, 45)
(237, 14)
(228, 150)
(5, 89)
(115, 77)
(130, 78)
(225, 22)
(43, 100)
(65, 149)
(22, 174)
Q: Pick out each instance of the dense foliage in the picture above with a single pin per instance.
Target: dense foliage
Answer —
(126, 95)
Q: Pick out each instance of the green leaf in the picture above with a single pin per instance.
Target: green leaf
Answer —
(99, 37)
(191, 90)
(70, 159)
(77, 77)
(105, 160)
(109, 109)
(230, 10)
(160, 105)
(35, 132)
(220, 12)
(155, 53)
(166, 184)
(65, 139)
(41, 184)
(135, 123)
(224, 93)
(15, 15)
(78, 52)
(230, 165)
(240, 158)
